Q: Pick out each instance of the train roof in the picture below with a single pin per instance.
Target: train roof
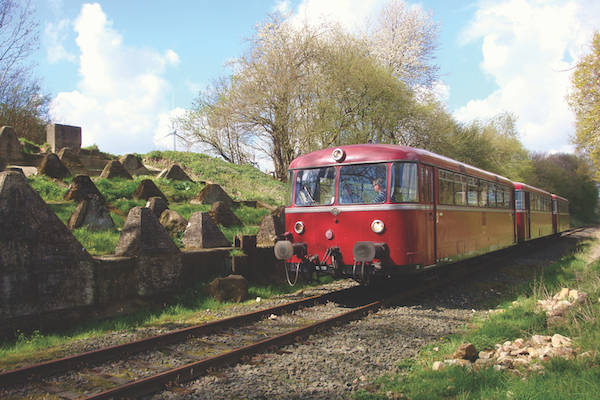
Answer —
(555, 196)
(524, 186)
(370, 153)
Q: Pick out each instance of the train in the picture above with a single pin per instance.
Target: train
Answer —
(372, 211)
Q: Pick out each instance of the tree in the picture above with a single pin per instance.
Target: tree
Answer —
(584, 99)
(21, 103)
(297, 90)
(570, 176)
(404, 38)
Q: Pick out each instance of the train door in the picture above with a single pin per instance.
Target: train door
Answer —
(427, 198)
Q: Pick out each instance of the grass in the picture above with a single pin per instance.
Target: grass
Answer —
(561, 379)
(187, 309)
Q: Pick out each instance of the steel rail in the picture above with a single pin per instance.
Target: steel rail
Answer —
(190, 371)
(51, 367)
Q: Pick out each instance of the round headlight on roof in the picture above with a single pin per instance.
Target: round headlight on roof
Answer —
(299, 227)
(377, 226)
(338, 155)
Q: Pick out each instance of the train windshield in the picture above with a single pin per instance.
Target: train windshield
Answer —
(404, 183)
(360, 184)
(315, 186)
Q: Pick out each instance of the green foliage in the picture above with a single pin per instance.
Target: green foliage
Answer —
(186, 210)
(570, 176)
(178, 191)
(97, 242)
(48, 188)
(117, 188)
(63, 210)
(29, 147)
(584, 99)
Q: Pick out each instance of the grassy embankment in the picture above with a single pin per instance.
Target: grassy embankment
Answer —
(240, 182)
(578, 378)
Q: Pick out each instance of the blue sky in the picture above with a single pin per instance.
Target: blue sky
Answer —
(122, 69)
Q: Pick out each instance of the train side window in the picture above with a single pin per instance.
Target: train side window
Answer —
(483, 193)
(315, 186)
(472, 192)
(460, 189)
(404, 182)
(507, 194)
(446, 187)
(499, 197)
(491, 195)
(356, 184)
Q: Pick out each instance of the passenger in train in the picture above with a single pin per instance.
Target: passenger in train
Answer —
(380, 190)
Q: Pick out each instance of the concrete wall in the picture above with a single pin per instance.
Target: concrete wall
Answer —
(115, 287)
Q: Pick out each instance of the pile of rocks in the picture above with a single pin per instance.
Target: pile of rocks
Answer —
(556, 307)
(519, 353)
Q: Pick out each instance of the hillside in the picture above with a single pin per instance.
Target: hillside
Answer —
(242, 182)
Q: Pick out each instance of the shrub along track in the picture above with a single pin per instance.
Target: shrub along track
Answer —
(151, 364)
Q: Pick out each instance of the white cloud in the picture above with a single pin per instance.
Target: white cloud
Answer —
(163, 137)
(350, 14)
(121, 91)
(528, 48)
(282, 6)
(54, 36)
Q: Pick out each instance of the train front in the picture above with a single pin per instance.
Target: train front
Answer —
(346, 208)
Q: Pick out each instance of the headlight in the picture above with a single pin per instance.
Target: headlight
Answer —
(299, 227)
(338, 155)
(377, 226)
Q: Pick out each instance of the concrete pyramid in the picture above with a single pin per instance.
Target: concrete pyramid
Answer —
(42, 266)
(91, 213)
(133, 165)
(147, 189)
(223, 215)
(82, 188)
(158, 260)
(11, 149)
(176, 173)
(143, 233)
(271, 226)
(54, 168)
(71, 160)
(203, 232)
(210, 194)
(114, 169)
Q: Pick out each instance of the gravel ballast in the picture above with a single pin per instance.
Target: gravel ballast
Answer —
(348, 358)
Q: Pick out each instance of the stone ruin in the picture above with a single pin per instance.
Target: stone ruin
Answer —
(71, 160)
(158, 260)
(82, 187)
(59, 136)
(271, 226)
(133, 165)
(11, 149)
(91, 213)
(147, 189)
(210, 194)
(223, 215)
(44, 268)
(175, 172)
(52, 167)
(202, 232)
(114, 169)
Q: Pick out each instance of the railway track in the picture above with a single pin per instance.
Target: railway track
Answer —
(142, 367)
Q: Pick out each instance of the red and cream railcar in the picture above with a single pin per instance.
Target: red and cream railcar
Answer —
(368, 210)
(560, 214)
(533, 207)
